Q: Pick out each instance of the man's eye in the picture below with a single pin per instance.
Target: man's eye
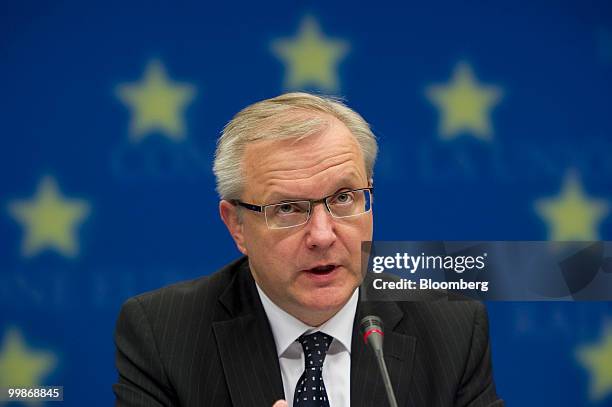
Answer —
(288, 209)
(343, 198)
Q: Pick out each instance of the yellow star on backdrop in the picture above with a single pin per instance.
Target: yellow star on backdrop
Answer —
(50, 221)
(572, 215)
(157, 104)
(310, 59)
(20, 366)
(597, 359)
(464, 104)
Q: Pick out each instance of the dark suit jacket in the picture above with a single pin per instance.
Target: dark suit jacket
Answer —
(207, 342)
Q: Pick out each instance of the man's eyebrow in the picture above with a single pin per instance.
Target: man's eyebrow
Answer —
(277, 197)
(344, 184)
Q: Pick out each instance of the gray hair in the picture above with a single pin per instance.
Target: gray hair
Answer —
(283, 117)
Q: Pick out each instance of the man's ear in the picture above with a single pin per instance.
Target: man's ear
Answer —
(229, 215)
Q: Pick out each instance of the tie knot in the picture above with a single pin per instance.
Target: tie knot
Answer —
(315, 348)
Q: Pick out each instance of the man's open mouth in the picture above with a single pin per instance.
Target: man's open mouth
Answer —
(322, 269)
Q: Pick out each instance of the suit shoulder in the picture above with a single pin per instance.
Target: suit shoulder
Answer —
(458, 315)
(206, 288)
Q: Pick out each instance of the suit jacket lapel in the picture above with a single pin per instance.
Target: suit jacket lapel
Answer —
(246, 345)
(367, 388)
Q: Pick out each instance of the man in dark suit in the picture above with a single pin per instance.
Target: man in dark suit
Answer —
(295, 178)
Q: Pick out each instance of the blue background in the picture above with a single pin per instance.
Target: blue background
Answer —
(152, 217)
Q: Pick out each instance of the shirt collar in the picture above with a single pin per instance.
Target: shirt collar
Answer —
(286, 328)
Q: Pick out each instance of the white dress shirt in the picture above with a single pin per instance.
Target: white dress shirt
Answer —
(337, 366)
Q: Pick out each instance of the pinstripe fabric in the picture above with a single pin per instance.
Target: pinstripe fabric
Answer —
(207, 342)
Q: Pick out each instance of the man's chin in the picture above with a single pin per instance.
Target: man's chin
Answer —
(326, 300)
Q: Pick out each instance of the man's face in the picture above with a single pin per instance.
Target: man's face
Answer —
(283, 261)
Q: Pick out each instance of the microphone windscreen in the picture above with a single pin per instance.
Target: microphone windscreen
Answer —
(371, 328)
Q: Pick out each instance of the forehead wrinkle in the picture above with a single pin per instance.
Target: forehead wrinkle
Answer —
(296, 166)
(307, 172)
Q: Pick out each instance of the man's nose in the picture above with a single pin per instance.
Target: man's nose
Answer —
(320, 228)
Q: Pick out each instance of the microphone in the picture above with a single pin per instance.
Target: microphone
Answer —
(371, 328)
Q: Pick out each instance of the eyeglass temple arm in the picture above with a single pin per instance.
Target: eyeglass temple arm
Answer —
(249, 206)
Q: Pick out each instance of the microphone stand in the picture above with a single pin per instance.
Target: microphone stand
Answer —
(371, 327)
